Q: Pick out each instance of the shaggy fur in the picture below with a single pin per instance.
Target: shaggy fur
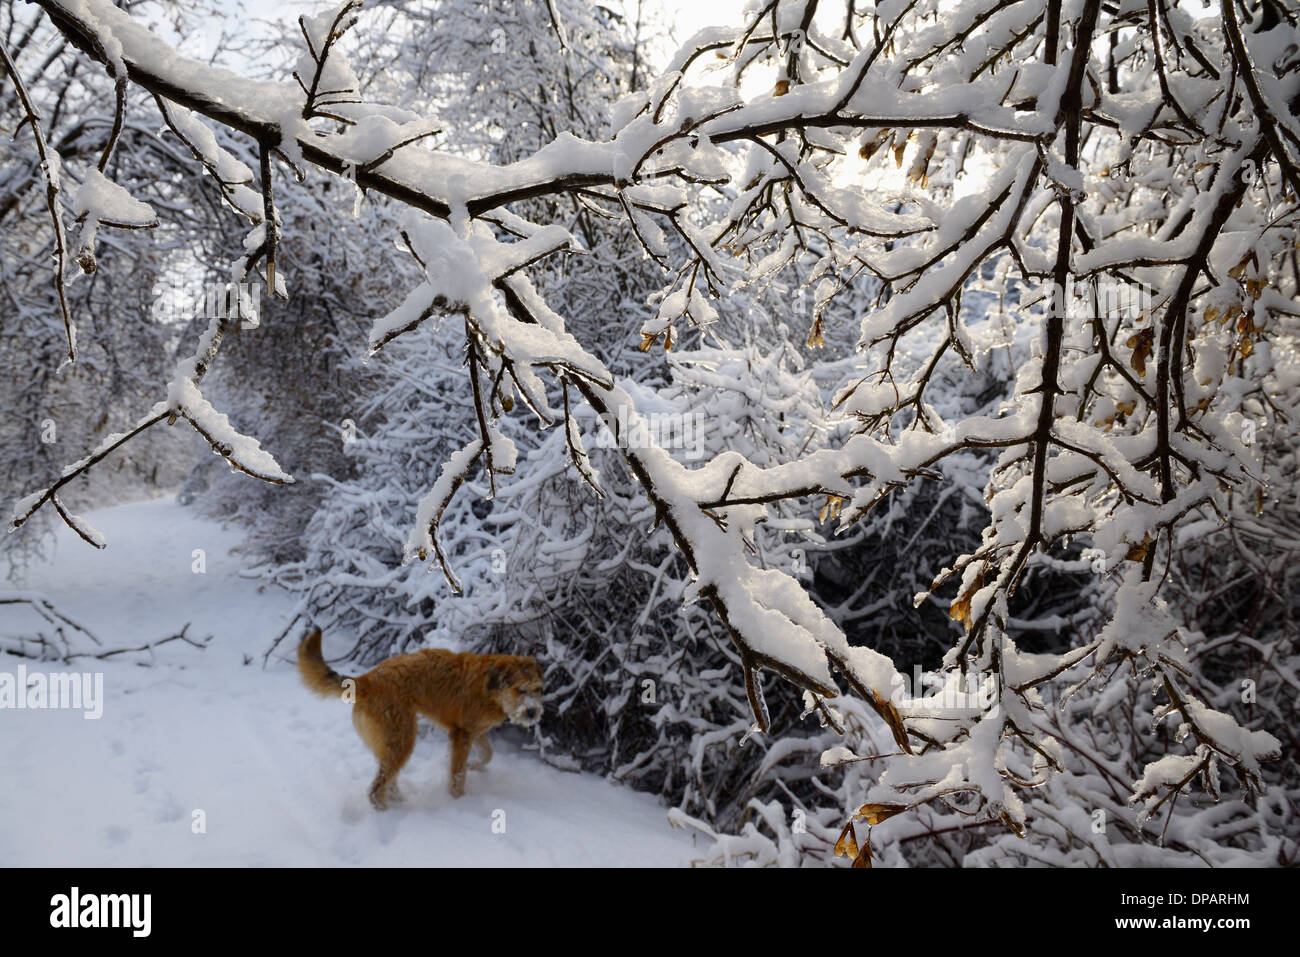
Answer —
(465, 694)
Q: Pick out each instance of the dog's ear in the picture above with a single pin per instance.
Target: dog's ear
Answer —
(497, 676)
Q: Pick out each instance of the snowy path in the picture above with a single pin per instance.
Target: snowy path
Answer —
(279, 775)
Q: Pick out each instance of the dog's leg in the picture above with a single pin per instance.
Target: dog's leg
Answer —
(460, 745)
(481, 752)
(397, 744)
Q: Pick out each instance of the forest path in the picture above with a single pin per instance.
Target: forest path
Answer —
(279, 775)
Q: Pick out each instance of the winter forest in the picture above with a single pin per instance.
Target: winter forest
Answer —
(879, 419)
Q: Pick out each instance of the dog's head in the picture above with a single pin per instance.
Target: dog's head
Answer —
(516, 683)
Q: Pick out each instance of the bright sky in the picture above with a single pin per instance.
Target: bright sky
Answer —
(688, 16)
(684, 17)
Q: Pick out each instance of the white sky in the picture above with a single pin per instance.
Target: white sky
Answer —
(683, 17)
(687, 16)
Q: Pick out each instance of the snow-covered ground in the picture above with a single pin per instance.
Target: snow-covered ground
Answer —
(279, 775)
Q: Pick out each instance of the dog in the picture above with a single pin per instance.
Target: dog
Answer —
(466, 694)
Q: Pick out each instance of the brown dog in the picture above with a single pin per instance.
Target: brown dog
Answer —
(466, 694)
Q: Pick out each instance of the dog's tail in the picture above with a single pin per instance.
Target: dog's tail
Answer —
(317, 675)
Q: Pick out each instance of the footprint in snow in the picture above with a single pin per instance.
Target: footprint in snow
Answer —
(352, 812)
